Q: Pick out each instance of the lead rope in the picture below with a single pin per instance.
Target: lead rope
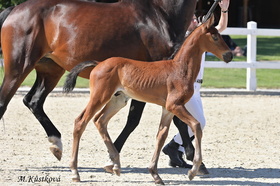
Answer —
(211, 10)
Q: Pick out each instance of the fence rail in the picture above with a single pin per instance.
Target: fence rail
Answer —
(251, 64)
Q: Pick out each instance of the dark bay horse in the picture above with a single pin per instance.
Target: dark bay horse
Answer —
(168, 83)
(54, 36)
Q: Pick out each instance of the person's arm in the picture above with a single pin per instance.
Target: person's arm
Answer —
(223, 22)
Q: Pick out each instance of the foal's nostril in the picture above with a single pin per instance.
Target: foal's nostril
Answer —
(227, 56)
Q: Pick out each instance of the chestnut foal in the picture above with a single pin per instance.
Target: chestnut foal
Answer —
(167, 83)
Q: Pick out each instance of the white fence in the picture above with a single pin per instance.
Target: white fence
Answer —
(251, 64)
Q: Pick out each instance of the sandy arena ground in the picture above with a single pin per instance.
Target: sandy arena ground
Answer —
(240, 144)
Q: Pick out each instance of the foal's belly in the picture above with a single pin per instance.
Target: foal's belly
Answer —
(149, 96)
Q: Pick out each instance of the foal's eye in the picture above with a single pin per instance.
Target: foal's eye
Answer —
(215, 37)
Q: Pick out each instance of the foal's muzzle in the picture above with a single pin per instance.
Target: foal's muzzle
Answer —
(227, 56)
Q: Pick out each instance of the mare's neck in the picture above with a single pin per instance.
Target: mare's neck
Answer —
(178, 14)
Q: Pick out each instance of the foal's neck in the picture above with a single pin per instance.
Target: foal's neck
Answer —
(189, 57)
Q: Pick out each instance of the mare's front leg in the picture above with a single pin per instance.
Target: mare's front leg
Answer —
(161, 136)
(20, 56)
(181, 112)
(117, 102)
(48, 75)
(16, 67)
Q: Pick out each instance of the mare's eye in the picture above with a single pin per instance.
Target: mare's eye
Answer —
(215, 37)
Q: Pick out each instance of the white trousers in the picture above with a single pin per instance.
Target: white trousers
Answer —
(195, 108)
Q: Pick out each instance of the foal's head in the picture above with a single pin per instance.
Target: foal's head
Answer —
(211, 41)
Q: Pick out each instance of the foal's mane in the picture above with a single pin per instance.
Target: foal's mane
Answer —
(188, 33)
(179, 45)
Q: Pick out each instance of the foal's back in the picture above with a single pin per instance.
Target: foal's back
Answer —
(144, 81)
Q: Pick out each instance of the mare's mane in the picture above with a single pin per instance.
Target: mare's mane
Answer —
(188, 33)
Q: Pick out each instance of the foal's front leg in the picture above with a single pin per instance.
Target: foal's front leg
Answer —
(165, 121)
(181, 112)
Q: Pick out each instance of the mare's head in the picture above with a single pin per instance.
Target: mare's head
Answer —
(211, 41)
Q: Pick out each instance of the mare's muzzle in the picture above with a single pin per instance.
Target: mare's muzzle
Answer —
(227, 56)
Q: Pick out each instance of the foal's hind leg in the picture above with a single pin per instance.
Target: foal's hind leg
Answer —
(97, 101)
(79, 127)
(161, 136)
(48, 74)
(117, 102)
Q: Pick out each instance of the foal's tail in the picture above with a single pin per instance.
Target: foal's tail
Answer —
(71, 78)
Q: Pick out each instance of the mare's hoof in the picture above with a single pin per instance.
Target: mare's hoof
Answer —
(56, 152)
(202, 170)
(56, 146)
(108, 168)
(159, 182)
(191, 175)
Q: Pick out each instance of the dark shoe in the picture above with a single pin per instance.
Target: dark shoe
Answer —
(189, 150)
(171, 149)
(185, 165)
(202, 170)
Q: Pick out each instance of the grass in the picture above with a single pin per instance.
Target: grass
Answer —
(81, 82)
(268, 49)
(236, 78)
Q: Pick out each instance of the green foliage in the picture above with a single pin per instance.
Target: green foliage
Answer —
(5, 3)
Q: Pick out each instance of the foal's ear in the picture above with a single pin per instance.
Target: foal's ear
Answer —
(210, 21)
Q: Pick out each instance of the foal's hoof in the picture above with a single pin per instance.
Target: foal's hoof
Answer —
(56, 152)
(117, 171)
(109, 168)
(191, 175)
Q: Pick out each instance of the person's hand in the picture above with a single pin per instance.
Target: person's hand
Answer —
(224, 4)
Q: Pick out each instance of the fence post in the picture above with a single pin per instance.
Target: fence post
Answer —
(251, 83)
